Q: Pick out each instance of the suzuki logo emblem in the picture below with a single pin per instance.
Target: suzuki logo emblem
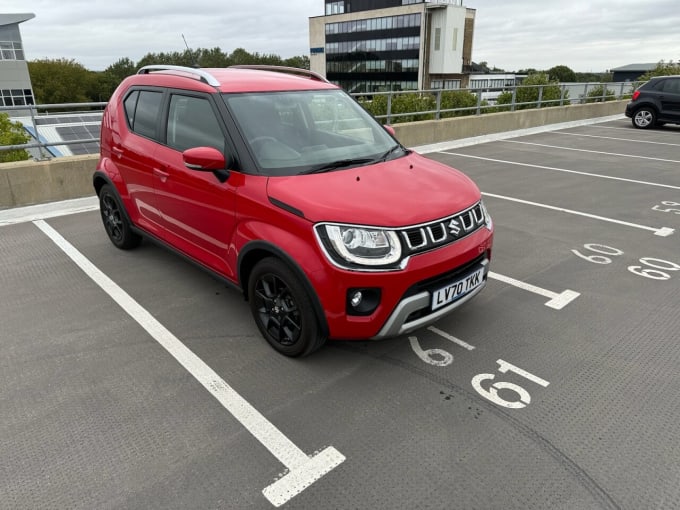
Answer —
(454, 227)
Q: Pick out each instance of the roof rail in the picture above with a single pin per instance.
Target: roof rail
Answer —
(202, 75)
(284, 69)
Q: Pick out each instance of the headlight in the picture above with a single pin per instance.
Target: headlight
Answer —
(358, 245)
(488, 222)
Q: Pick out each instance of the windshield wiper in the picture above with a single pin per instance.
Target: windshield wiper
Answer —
(390, 151)
(338, 164)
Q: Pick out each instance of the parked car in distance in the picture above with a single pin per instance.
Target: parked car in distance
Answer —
(655, 103)
(281, 184)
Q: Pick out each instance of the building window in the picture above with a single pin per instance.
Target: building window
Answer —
(389, 44)
(455, 39)
(437, 39)
(11, 51)
(16, 97)
(335, 8)
(373, 24)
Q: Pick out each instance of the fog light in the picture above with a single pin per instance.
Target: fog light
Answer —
(362, 301)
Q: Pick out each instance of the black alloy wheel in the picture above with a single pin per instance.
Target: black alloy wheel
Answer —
(282, 309)
(115, 220)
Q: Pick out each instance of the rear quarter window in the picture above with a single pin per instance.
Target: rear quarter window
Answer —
(142, 109)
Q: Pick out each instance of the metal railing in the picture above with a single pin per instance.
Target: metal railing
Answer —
(485, 99)
(429, 106)
(38, 112)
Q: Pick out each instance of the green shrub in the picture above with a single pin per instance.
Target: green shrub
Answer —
(529, 90)
(599, 94)
(12, 133)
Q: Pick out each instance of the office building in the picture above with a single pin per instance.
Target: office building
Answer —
(15, 82)
(380, 45)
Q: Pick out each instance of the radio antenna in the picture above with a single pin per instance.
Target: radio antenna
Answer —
(191, 53)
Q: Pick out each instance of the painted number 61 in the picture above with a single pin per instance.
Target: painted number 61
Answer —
(492, 393)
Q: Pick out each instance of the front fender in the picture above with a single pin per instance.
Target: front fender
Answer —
(259, 240)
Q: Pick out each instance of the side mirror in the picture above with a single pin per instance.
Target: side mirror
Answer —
(204, 159)
(389, 129)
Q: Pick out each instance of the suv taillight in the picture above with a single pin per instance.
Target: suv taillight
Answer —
(636, 94)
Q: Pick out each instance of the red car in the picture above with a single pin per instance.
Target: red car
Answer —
(280, 183)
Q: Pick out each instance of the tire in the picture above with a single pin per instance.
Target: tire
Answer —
(644, 118)
(115, 220)
(282, 309)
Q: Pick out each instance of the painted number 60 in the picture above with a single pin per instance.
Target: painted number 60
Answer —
(492, 393)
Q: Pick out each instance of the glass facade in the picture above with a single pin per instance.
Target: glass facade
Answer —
(374, 54)
(373, 24)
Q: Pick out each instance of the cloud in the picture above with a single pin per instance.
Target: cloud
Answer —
(592, 35)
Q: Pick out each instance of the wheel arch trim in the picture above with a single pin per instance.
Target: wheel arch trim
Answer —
(255, 251)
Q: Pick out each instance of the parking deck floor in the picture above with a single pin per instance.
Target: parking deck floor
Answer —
(135, 380)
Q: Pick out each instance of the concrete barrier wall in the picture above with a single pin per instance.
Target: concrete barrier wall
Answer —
(37, 182)
(414, 134)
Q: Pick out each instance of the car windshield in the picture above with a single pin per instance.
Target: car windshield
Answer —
(309, 131)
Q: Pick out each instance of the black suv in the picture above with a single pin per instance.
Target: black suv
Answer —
(655, 103)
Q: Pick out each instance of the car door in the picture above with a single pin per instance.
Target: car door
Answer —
(197, 209)
(133, 146)
(670, 99)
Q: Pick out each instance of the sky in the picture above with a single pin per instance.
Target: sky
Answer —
(585, 35)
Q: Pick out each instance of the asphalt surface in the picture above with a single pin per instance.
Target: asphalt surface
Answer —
(98, 411)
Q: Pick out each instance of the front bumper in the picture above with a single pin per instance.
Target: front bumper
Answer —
(405, 295)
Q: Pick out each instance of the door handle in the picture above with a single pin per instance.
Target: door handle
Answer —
(162, 175)
(117, 151)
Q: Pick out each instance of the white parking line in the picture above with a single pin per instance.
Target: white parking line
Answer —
(617, 139)
(451, 338)
(303, 470)
(557, 301)
(43, 211)
(662, 232)
(591, 152)
(565, 170)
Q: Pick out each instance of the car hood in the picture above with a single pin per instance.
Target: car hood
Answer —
(400, 192)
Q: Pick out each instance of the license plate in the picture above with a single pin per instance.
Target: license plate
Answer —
(454, 290)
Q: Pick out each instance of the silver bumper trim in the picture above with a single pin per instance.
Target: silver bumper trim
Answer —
(396, 325)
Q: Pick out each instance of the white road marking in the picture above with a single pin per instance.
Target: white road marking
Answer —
(618, 139)
(591, 151)
(452, 338)
(661, 232)
(557, 301)
(43, 211)
(303, 469)
(543, 167)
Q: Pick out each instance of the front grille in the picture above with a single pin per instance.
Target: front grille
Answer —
(444, 231)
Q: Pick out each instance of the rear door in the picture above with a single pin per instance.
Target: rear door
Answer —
(133, 146)
(670, 99)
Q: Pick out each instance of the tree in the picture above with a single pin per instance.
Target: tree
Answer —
(107, 80)
(61, 81)
(301, 62)
(12, 133)
(661, 69)
(561, 74)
